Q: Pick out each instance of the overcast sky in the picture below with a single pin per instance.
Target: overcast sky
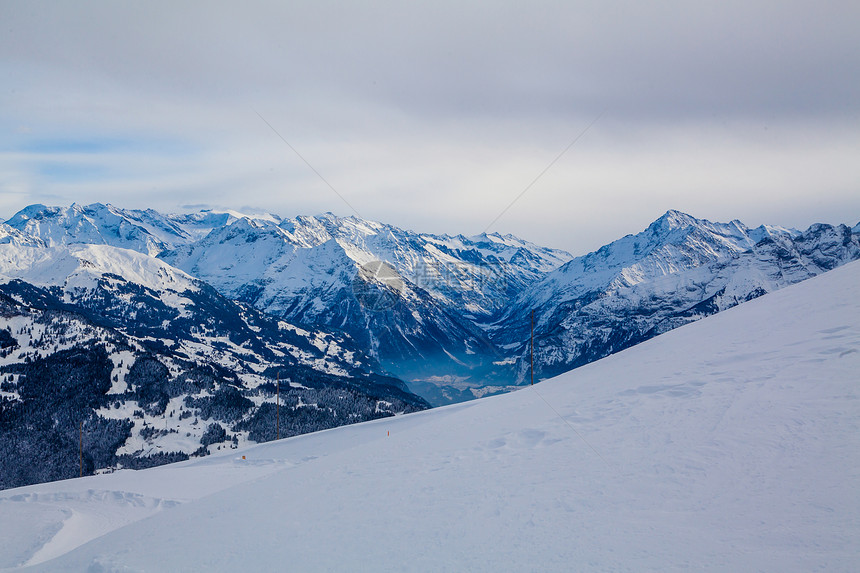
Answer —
(435, 116)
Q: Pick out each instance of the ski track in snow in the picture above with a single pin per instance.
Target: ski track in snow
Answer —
(729, 444)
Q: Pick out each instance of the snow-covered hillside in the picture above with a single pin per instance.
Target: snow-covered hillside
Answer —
(82, 265)
(729, 444)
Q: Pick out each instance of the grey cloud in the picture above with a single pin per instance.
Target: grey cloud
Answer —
(437, 114)
(450, 58)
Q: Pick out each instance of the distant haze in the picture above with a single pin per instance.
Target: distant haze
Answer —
(436, 117)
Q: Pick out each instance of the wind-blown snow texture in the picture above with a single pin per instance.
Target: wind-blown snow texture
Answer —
(729, 444)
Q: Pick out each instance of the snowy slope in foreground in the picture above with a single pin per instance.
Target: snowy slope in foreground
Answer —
(729, 444)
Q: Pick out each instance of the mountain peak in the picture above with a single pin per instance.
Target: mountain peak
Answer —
(96, 207)
(674, 219)
(29, 212)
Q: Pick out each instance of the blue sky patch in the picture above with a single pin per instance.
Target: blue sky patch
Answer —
(104, 145)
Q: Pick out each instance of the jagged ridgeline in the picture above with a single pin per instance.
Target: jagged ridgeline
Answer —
(179, 325)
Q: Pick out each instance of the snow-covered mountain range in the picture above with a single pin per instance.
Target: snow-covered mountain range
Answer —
(308, 271)
(452, 318)
(676, 271)
(184, 321)
(726, 445)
